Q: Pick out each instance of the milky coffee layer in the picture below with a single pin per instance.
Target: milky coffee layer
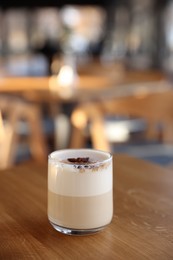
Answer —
(80, 212)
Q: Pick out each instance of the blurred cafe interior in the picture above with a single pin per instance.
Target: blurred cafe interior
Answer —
(94, 74)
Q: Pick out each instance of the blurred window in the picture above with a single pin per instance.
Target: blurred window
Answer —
(82, 27)
(16, 30)
(45, 26)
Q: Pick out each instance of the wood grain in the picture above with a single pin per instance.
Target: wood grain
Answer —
(141, 227)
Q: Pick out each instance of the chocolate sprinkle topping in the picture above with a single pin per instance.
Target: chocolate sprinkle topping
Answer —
(79, 160)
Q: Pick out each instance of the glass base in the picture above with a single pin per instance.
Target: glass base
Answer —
(76, 232)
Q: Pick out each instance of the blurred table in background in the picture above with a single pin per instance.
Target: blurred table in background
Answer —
(99, 83)
(95, 82)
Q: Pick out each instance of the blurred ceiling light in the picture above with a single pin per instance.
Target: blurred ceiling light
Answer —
(66, 76)
(71, 16)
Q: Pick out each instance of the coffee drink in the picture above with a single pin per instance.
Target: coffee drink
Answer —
(80, 199)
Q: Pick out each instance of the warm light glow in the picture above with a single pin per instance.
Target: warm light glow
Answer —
(66, 76)
(63, 83)
(116, 133)
(79, 119)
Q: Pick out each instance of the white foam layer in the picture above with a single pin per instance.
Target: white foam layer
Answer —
(72, 182)
(66, 180)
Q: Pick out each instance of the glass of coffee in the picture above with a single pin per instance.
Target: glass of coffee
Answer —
(80, 190)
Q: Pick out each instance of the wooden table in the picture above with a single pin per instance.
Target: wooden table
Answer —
(93, 85)
(142, 226)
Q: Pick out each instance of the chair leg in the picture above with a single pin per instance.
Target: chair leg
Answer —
(98, 135)
(77, 140)
(37, 140)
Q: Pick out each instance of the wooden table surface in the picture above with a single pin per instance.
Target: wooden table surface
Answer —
(142, 226)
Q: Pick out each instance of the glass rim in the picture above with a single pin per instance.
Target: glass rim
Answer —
(55, 160)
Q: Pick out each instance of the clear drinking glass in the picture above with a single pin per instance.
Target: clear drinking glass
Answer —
(80, 190)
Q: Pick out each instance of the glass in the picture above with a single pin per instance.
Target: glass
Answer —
(80, 190)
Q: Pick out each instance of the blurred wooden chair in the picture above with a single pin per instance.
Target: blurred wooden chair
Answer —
(13, 112)
(155, 108)
(6, 135)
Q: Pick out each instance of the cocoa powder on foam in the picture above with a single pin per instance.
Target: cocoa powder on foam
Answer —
(83, 163)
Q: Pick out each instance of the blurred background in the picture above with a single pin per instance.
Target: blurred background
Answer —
(92, 74)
